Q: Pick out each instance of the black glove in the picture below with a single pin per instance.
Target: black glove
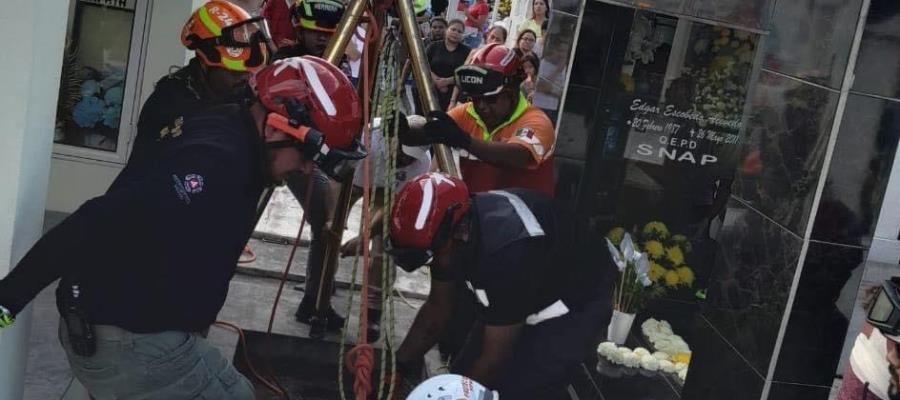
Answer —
(440, 128)
(387, 127)
(339, 164)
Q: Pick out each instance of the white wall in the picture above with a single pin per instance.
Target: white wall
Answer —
(29, 76)
(72, 180)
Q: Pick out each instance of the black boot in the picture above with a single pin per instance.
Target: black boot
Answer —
(307, 309)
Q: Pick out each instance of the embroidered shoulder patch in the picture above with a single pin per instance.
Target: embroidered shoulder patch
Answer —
(527, 133)
(191, 184)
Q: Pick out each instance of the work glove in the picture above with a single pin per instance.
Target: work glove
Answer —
(6, 318)
(336, 163)
(442, 129)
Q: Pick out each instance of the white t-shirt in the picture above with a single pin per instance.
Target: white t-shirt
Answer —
(421, 165)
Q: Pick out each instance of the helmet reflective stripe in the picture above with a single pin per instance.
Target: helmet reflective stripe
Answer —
(208, 22)
(234, 65)
(528, 219)
(425, 207)
(318, 89)
(510, 55)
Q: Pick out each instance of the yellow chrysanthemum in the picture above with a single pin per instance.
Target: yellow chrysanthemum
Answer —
(656, 228)
(682, 358)
(685, 275)
(675, 255)
(654, 248)
(672, 278)
(616, 234)
(656, 271)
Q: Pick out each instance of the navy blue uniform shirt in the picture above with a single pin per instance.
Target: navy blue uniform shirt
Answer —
(157, 252)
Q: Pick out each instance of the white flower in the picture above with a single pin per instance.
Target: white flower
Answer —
(649, 363)
(666, 366)
(667, 329)
(616, 256)
(630, 360)
(661, 356)
(681, 367)
(641, 352)
(682, 374)
(606, 348)
(616, 357)
(650, 324)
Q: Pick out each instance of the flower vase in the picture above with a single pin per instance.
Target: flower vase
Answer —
(619, 326)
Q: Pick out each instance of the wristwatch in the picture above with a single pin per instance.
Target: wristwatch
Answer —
(6, 318)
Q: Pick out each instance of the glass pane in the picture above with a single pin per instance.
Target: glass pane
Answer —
(93, 77)
(659, 128)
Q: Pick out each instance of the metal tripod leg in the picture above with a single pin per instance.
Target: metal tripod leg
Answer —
(443, 154)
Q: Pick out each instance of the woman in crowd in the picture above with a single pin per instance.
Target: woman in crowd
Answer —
(444, 57)
(526, 42)
(539, 19)
(531, 64)
(497, 34)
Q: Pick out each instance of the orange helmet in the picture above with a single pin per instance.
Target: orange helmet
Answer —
(224, 35)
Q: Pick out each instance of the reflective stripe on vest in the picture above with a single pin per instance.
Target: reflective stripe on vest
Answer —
(528, 219)
(554, 310)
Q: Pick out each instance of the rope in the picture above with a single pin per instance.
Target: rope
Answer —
(361, 359)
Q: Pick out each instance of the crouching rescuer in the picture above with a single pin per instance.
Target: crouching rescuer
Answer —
(544, 302)
(173, 235)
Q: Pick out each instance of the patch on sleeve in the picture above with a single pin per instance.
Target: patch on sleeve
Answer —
(172, 130)
(528, 136)
(525, 133)
(184, 188)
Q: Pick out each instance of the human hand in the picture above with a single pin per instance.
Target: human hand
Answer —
(440, 128)
(351, 248)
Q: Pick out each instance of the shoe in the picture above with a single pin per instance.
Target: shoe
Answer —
(306, 312)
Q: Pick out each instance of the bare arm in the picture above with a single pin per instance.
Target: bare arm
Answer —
(429, 323)
(502, 154)
(497, 347)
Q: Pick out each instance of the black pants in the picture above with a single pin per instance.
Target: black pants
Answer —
(317, 216)
(546, 353)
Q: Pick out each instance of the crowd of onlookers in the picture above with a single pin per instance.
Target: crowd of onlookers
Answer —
(451, 43)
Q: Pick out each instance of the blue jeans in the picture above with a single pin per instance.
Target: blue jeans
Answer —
(166, 366)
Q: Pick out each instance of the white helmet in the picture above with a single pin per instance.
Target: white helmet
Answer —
(452, 387)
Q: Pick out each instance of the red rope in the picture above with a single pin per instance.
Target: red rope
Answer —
(361, 360)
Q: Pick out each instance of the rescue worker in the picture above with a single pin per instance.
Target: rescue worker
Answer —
(543, 299)
(173, 232)
(504, 141)
(229, 45)
(315, 21)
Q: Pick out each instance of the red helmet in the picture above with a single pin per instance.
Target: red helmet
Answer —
(425, 210)
(312, 92)
(492, 69)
